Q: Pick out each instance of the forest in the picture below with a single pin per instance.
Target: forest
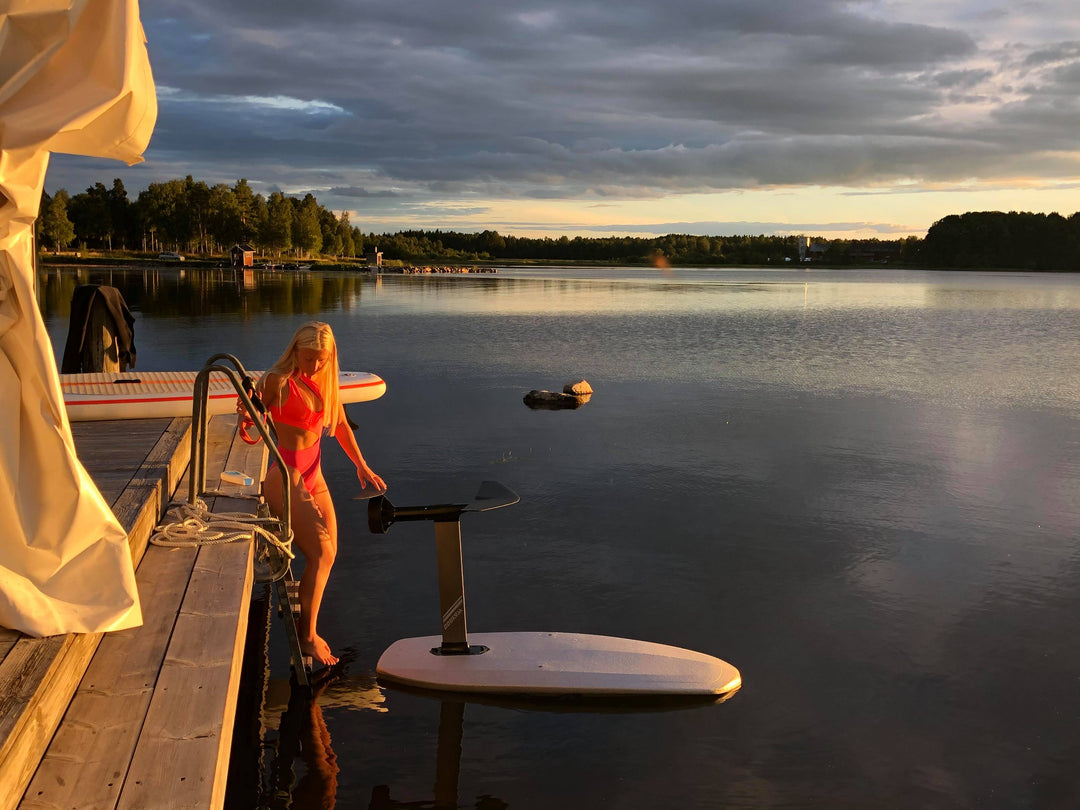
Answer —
(191, 217)
(196, 219)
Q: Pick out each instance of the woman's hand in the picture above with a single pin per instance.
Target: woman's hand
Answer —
(243, 422)
(366, 476)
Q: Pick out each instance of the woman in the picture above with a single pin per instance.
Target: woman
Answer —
(300, 392)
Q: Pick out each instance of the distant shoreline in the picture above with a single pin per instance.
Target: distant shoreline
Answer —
(70, 262)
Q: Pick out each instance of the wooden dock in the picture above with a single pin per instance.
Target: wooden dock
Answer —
(138, 718)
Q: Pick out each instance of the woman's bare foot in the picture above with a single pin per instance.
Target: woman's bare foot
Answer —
(319, 651)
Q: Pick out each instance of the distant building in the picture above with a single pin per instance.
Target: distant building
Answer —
(815, 251)
(810, 251)
(242, 256)
(374, 258)
(875, 252)
(855, 251)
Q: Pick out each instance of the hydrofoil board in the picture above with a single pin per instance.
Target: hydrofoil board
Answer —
(544, 663)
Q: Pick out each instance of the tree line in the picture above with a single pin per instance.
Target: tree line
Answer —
(989, 240)
(993, 239)
(190, 216)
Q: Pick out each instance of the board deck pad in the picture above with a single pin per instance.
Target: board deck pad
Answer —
(544, 663)
(156, 394)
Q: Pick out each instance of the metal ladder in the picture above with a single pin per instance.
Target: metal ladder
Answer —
(283, 580)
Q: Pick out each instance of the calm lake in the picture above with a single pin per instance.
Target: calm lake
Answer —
(861, 488)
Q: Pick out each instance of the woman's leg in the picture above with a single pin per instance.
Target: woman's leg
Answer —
(317, 541)
(327, 523)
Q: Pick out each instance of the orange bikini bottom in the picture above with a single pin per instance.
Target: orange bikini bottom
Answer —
(307, 461)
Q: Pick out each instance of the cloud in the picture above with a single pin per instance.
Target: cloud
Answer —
(886, 230)
(361, 193)
(451, 103)
(241, 104)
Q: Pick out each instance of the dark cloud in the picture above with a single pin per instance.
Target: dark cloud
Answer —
(964, 78)
(361, 193)
(433, 102)
(1067, 77)
(1056, 52)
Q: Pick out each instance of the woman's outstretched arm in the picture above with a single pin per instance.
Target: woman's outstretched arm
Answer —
(343, 433)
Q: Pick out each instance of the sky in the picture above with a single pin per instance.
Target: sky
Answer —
(619, 117)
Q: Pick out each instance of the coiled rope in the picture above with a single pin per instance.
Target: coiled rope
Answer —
(193, 524)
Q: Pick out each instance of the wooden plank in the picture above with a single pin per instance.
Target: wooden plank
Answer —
(183, 752)
(38, 678)
(238, 630)
(8, 638)
(111, 451)
(146, 497)
(220, 431)
(20, 673)
(249, 459)
(88, 758)
(156, 473)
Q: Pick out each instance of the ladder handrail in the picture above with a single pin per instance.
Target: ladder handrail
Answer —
(200, 396)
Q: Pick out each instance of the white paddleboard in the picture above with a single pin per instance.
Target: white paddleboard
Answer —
(559, 664)
(157, 394)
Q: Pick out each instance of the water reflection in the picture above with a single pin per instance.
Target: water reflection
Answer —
(447, 769)
(169, 292)
(173, 292)
(303, 736)
(304, 771)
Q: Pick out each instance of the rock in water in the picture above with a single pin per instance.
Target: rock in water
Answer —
(573, 395)
(578, 389)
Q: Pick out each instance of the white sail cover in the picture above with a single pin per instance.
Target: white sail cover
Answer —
(74, 78)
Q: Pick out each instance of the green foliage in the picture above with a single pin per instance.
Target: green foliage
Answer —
(329, 232)
(307, 233)
(89, 213)
(252, 212)
(345, 234)
(189, 216)
(57, 231)
(164, 216)
(277, 233)
(992, 239)
(225, 223)
(121, 216)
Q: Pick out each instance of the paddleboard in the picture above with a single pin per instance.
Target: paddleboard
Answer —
(157, 394)
(559, 664)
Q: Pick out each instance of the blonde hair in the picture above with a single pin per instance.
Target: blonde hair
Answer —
(312, 335)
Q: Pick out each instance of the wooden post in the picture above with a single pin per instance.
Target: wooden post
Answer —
(100, 350)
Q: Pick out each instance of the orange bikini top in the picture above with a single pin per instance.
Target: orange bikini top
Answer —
(295, 411)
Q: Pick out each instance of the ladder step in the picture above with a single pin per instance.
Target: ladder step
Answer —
(288, 590)
(292, 589)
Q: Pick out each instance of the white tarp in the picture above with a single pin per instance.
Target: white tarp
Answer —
(74, 78)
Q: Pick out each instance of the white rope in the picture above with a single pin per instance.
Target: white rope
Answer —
(189, 524)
